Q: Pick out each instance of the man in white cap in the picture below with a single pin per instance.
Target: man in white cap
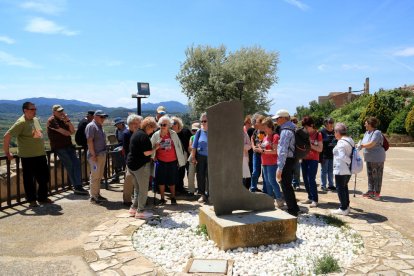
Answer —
(286, 159)
(160, 112)
(96, 138)
(59, 131)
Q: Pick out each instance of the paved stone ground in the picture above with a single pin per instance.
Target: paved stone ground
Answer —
(73, 237)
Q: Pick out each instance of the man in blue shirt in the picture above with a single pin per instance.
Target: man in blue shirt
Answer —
(286, 159)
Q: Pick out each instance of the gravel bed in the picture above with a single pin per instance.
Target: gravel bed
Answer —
(170, 241)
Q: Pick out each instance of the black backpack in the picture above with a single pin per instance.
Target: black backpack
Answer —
(302, 142)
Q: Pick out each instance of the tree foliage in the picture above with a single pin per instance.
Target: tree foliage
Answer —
(397, 125)
(409, 122)
(317, 111)
(209, 75)
(384, 106)
(349, 115)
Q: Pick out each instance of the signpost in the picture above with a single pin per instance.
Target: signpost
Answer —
(143, 92)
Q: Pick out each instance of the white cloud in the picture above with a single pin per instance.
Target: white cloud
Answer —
(7, 39)
(45, 6)
(322, 67)
(8, 59)
(44, 26)
(298, 4)
(407, 52)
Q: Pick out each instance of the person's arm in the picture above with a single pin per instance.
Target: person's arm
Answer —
(319, 147)
(370, 144)
(273, 150)
(6, 145)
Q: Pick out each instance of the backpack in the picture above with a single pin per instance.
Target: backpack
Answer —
(357, 164)
(385, 143)
(302, 142)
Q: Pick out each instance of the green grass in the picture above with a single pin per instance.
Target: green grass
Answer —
(326, 264)
(332, 220)
(202, 230)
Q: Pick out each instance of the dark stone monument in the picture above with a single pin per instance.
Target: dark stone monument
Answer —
(225, 156)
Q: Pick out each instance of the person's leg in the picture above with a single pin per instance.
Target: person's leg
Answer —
(377, 172)
(28, 179)
(324, 172)
(256, 171)
(72, 165)
(128, 186)
(142, 177)
(287, 188)
(274, 186)
(180, 183)
(191, 177)
(312, 171)
(371, 176)
(340, 187)
(296, 175)
(265, 176)
(201, 175)
(97, 171)
(42, 177)
(330, 174)
(305, 176)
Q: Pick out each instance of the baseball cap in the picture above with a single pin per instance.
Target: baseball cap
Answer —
(57, 107)
(100, 113)
(195, 126)
(118, 120)
(281, 113)
(161, 110)
(90, 112)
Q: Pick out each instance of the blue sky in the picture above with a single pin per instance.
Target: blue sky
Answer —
(96, 51)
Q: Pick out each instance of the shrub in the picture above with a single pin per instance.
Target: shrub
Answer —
(397, 125)
(409, 122)
(326, 264)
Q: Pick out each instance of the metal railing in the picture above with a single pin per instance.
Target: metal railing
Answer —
(58, 179)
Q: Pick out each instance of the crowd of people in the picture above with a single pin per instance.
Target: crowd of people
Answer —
(160, 151)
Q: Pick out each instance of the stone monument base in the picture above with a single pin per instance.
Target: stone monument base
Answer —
(248, 229)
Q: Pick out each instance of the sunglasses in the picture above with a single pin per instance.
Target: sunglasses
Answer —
(175, 123)
(102, 117)
(163, 125)
(32, 109)
(204, 122)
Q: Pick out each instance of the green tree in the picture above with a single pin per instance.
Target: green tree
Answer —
(409, 122)
(397, 125)
(317, 111)
(209, 75)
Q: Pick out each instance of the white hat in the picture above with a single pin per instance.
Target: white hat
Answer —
(161, 110)
(281, 113)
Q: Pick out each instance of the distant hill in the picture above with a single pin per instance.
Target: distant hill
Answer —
(74, 107)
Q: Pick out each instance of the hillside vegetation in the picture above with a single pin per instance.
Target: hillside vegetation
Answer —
(393, 108)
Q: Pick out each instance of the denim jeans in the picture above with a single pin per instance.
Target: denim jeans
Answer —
(309, 170)
(269, 174)
(72, 165)
(296, 175)
(327, 171)
(342, 190)
(257, 168)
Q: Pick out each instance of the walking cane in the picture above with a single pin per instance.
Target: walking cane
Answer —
(355, 185)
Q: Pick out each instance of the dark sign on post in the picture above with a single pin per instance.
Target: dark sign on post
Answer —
(143, 89)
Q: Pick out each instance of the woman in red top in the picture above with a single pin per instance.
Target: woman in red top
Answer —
(269, 160)
(169, 156)
(310, 162)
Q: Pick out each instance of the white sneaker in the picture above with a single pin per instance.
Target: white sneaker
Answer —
(341, 212)
(307, 201)
(313, 204)
(202, 199)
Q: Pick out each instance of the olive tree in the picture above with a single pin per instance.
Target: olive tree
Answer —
(209, 75)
